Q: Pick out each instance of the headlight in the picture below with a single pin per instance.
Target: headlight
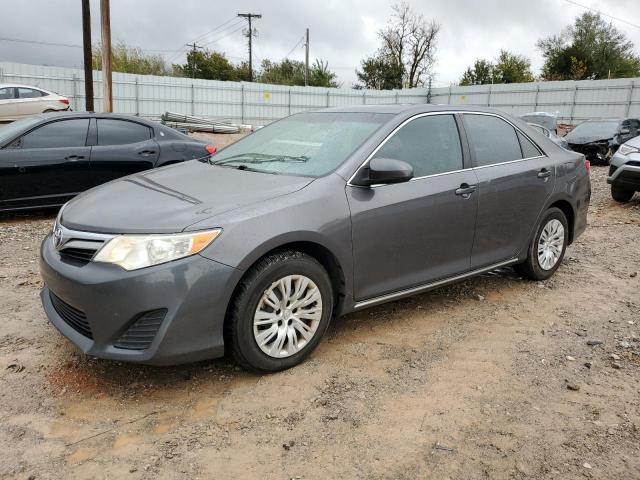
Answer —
(132, 252)
(627, 149)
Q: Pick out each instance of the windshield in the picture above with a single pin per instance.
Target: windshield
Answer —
(605, 129)
(11, 130)
(307, 144)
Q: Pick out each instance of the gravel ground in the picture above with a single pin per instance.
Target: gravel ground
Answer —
(495, 377)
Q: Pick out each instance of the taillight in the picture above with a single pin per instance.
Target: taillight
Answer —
(587, 165)
(64, 100)
(210, 149)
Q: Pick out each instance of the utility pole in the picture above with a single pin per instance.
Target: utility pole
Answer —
(306, 59)
(249, 17)
(105, 19)
(88, 60)
(429, 90)
(194, 47)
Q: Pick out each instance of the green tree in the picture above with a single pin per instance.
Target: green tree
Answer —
(480, 74)
(291, 72)
(379, 73)
(508, 68)
(210, 65)
(591, 48)
(129, 59)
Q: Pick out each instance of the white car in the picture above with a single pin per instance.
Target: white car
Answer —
(19, 101)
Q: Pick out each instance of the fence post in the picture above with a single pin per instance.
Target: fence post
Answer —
(242, 103)
(1, 74)
(192, 101)
(489, 96)
(75, 90)
(449, 99)
(573, 102)
(137, 98)
(289, 104)
(629, 99)
(535, 106)
(397, 97)
(364, 97)
(328, 93)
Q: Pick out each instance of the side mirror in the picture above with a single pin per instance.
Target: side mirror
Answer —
(625, 131)
(384, 171)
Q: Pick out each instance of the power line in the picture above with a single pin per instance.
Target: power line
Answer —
(295, 46)
(602, 13)
(215, 40)
(72, 45)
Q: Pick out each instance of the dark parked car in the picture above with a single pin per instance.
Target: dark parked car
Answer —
(47, 159)
(624, 172)
(598, 140)
(319, 214)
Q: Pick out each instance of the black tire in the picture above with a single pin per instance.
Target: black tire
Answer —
(531, 268)
(240, 336)
(622, 195)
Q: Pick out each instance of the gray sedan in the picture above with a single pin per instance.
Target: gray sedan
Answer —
(254, 250)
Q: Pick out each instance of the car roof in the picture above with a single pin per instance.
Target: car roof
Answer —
(396, 109)
(19, 85)
(115, 116)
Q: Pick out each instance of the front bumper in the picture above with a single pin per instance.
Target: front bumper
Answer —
(194, 291)
(624, 172)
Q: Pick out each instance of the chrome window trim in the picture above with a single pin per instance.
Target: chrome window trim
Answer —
(447, 112)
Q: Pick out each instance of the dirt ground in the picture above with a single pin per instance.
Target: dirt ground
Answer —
(492, 378)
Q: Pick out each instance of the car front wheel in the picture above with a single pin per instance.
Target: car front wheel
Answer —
(280, 312)
(620, 194)
(547, 249)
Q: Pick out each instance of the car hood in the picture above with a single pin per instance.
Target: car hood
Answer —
(581, 140)
(170, 199)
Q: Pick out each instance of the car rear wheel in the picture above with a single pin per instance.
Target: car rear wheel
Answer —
(280, 312)
(547, 249)
(620, 194)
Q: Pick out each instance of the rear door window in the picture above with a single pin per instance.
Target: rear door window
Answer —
(430, 144)
(28, 93)
(492, 139)
(120, 132)
(64, 133)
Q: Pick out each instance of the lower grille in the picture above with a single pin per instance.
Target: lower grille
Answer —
(140, 335)
(75, 318)
(80, 254)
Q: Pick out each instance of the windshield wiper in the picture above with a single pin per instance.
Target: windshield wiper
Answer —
(253, 158)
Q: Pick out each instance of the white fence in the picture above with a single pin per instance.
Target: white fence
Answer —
(256, 103)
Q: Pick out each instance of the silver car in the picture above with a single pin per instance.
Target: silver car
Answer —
(19, 101)
(254, 250)
(624, 171)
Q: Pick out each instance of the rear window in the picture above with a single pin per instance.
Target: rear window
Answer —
(492, 139)
(529, 150)
(120, 132)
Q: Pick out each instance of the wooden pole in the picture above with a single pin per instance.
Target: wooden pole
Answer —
(88, 60)
(106, 55)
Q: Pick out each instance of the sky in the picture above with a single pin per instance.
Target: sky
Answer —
(342, 32)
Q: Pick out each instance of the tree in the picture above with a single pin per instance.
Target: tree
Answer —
(211, 65)
(508, 68)
(591, 48)
(379, 73)
(291, 72)
(407, 54)
(481, 73)
(129, 59)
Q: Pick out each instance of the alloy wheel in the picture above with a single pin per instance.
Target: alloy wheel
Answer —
(287, 316)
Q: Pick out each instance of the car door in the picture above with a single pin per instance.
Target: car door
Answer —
(30, 101)
(47, 165)
(8, 104)
(122, 147)
(413, 233)
(515, 179)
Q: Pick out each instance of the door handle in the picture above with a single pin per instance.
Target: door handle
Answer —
(544, 173)
(465, 190)
(147, 152)
(74, 158)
